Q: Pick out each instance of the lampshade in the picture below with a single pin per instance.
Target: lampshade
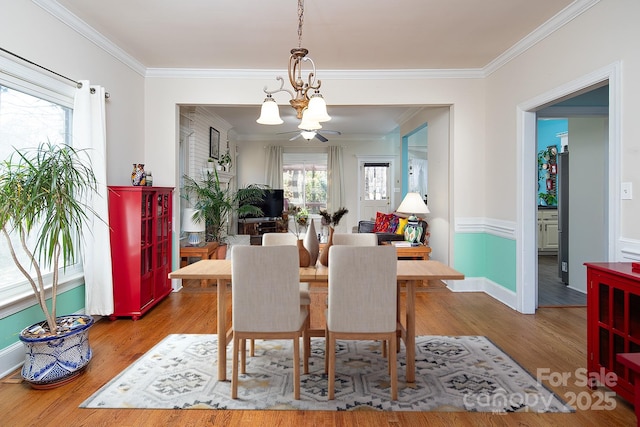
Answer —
(413, 204)
(192, 226)
(317, 109)
(269, 113)
(307, 124)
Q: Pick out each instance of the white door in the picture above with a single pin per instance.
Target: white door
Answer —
(375, 189)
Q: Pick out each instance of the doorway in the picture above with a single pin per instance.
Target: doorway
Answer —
(572, 191)
(608, 207)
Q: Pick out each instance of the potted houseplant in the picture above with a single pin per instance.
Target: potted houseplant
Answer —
(225, 161)
(42, 213)
(215, 201)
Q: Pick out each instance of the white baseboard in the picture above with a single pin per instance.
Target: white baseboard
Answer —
(11, 358)
(481, 284)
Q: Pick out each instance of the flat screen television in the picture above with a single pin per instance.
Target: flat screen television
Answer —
(272, 204)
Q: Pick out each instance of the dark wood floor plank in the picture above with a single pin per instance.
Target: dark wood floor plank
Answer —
(551, 291)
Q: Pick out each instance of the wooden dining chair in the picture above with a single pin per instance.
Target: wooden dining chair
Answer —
(362, 302)
(288, 239)
(266, 303)
(355, 239)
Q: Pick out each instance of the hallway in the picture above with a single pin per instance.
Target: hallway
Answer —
(551, 291)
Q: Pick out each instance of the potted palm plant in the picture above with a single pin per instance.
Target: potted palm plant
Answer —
(42, 213)
(215, 201)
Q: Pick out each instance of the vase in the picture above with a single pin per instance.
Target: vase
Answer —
(52, 361)
(324, 255)
(303, 254)
(137, 175)
(311, 244)
(221, 252)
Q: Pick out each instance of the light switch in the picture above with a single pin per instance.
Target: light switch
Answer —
(627, 191)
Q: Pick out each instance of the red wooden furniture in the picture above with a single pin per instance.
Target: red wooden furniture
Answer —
(140, 220)
(632, 361)
(613, 324)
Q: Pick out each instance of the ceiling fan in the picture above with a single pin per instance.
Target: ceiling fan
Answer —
(310, 134)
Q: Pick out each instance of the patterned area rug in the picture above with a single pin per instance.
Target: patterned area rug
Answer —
(466, 373)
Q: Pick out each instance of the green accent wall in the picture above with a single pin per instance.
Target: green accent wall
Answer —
(69, 302)
(486, 255)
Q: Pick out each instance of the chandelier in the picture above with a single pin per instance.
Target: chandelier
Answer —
(310, 108)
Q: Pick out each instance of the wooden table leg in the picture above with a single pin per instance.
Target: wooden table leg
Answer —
(410, 341)
(222, 330)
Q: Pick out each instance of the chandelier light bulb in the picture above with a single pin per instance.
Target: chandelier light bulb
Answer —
(269, 113)
(317, 109)
(307, 124)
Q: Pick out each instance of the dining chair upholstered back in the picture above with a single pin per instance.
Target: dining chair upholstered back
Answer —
(266, 303)
(362, 289)
(362, 302)
(265, 289)
(287, 239)
(279, 239)
(355, 239)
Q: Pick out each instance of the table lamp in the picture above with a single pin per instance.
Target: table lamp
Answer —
(413, 204)
(193, 226)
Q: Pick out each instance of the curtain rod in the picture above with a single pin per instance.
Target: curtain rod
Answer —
(78, 84)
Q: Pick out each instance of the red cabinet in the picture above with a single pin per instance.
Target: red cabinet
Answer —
(613, 323)
(140, 220)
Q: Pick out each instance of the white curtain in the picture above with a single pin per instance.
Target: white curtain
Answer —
(273, 167)
(335, 181)
(89, 132)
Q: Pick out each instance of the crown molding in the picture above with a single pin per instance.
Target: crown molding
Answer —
(257, 74)
(82, 28)
(569, 13)
(558, 21)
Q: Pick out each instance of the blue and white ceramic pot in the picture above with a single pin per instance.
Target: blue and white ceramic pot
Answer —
(51, 361)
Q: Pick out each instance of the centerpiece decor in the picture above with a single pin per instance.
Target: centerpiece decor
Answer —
(300, 219)
(331, 221)
(311, 243)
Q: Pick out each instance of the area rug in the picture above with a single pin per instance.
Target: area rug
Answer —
(463, 373)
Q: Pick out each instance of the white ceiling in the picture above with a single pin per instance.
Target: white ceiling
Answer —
(341, 35)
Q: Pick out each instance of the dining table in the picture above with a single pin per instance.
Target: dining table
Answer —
(410, 275)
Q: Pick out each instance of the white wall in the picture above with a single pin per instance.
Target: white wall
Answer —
(143, 117)
(466, 95)
(441, 169)
(34, 34)
(605, 34)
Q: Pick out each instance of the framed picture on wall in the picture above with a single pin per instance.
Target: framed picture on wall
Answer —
(214, 143)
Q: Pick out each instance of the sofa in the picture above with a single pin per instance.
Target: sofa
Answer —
(368, 226)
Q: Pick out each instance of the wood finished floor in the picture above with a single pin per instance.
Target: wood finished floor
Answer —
(553, 338)
(551, 291)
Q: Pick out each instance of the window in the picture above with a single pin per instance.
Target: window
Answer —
(33, 109)
(304, 177)
(376, 181)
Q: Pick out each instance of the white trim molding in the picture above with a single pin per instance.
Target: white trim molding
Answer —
(629, 250)
(495, 227)
(482, 284)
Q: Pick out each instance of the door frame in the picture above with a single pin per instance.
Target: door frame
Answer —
(392, 174)
(526, 231)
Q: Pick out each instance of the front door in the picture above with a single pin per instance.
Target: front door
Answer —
(375, 190)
